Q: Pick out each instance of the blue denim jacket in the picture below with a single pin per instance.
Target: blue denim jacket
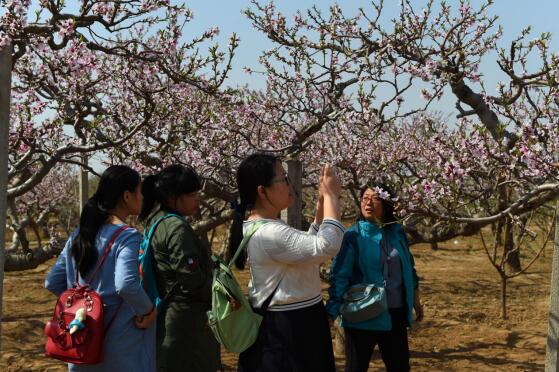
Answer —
(359, 262)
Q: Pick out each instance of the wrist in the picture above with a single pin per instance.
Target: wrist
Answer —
(331, 196)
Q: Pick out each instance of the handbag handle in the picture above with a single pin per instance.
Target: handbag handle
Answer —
(365, 289)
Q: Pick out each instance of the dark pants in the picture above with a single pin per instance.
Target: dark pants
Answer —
(393, 345)
(291, 341)
(185, 342)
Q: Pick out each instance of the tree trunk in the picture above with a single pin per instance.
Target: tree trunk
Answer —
(552, 350)
(339, 339)
(83, 179)
(205, 240)
(504, 296)
(434, 246)
(35, 257)
(5, 86)
(15, 243)
(37, 233)
(512, 252)
(295, 211)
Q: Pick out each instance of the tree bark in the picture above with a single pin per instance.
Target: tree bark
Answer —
(510, 250)
(5, 87)
(37, 256)
(83, 183)
(503, 296)
(204, 226)
(295, 211)
(552, 350)
(476, 101)
(339, 339)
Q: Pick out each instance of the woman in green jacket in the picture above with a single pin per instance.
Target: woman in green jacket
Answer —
(375, 251)
(182, 270)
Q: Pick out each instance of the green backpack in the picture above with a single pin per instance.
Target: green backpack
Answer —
(231, 318)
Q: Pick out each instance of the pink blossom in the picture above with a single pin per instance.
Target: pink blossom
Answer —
(66, 27)
(381, 193)
(425, 94)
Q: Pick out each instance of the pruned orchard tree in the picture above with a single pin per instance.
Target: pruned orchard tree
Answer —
(493, 168)
(440, 172)
(496, 164)
(362, 70)
(339, 89)
(45, 212)
(86, 79)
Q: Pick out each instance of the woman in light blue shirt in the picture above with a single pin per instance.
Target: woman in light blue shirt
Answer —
(129, 343)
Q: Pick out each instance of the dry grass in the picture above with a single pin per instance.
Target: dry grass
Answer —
(462, 330)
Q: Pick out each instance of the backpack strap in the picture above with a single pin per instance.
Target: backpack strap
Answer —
(105, 254)
(147, 244)
(156, 223)
(251, 230)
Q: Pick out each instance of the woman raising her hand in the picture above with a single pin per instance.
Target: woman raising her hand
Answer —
(285, 286)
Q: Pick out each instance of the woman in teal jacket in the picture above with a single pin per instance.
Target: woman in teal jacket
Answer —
(375, 250)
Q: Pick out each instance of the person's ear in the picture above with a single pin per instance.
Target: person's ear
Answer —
(261, 191)
(126, 197)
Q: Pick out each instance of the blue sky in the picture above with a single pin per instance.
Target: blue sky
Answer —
(227, 15)
(514, 15)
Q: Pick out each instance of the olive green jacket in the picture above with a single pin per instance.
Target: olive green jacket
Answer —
(182, 263)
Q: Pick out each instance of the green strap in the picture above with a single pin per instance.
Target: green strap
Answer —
(251, 230)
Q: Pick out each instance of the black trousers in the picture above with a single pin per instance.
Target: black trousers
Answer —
(185, 342)
(393, 345)
(291, 341)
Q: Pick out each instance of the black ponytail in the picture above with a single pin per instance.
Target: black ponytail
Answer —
(255, 170)
(150, 196)
(236, 236)
(114, 181)
(172, 181)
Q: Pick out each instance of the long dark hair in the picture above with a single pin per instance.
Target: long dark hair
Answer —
(172, 181)
(114, 181)
(388, 217)
(255, 170)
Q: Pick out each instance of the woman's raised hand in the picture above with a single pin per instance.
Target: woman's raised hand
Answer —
(330, 189)
(330, 182)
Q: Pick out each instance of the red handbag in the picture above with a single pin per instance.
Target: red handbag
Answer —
(79, 342)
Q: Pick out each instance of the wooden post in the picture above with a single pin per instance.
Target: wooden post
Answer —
(83, 184)
(552, 355)
(295, 211)
(5, 86)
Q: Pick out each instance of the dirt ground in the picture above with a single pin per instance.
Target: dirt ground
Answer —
(462, 330)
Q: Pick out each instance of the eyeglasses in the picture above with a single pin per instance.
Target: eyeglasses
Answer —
(367, 199)
(284, 179)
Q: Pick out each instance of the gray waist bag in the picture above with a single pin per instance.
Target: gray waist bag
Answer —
(363, 302)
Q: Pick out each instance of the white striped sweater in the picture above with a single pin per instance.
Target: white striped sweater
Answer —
(288, 259)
